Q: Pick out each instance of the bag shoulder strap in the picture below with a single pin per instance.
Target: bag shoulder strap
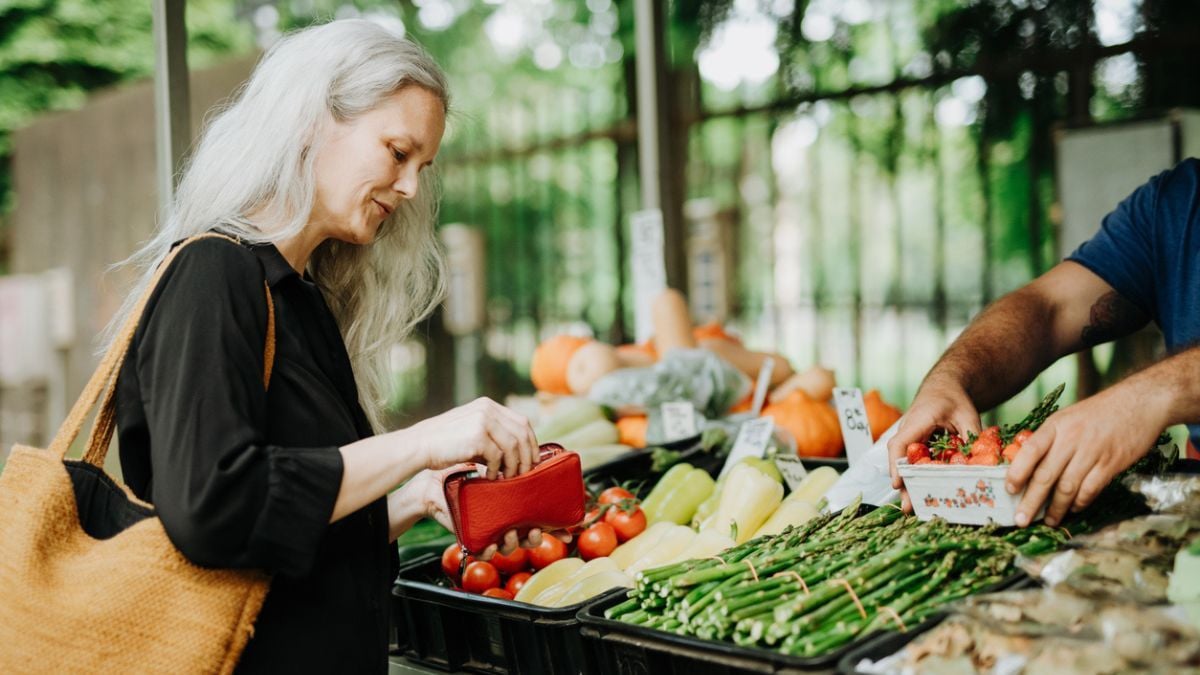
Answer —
(104, 379)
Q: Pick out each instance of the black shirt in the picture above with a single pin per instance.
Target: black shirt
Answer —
(247, 478)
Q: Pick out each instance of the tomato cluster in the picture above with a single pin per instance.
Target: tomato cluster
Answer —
(616, 518)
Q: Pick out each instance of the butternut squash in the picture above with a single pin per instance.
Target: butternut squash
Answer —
(589, 363)
(672, 322)
(749, 362)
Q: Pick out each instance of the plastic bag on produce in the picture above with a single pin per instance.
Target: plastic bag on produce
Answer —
(1170, 493)
(1102, 573)
(709, 382)
(869, 477)
(1089, 638)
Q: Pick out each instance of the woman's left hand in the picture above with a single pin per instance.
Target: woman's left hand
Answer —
(428, 485)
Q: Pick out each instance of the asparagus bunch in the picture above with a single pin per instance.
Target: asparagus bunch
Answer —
(813, 588)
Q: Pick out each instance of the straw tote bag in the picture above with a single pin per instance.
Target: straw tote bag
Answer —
(89, 581)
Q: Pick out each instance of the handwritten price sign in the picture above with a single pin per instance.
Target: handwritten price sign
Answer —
(679, 420)
(852, 414)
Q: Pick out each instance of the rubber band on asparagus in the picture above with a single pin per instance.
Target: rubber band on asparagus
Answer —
(753, 572)
(793, 573)
(891, 613)
(853, 596)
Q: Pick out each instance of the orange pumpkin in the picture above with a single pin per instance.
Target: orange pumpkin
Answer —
(881, 415)
(549, 367)
(813, 424)
(631, 430)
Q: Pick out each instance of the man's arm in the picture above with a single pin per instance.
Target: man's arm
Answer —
(1007, 345)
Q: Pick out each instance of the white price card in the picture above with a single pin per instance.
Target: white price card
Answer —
(852, 414)
(752, 440)
(649, 267)
(793, 471)
(679, 420)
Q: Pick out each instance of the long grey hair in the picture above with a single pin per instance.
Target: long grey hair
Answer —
(251, 175)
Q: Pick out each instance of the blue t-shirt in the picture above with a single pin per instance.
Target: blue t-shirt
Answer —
(1148, 250)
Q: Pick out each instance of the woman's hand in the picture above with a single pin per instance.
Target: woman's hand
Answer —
(937, 406)
(424, 497)
(481, 431)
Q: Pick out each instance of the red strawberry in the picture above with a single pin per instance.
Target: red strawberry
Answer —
(991, 432)
(1022, 436)
(1010, 451)
(954, 457)
(924, 460)
(916, 451)
(986, 445)
(983, 459)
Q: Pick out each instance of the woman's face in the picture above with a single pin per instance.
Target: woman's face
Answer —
(367, 166)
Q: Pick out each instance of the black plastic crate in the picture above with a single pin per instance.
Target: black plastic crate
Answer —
(442, 628)
(885, 644)
(625, 649)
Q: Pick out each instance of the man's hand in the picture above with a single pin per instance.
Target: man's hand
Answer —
(938, 405)
(1079, 450)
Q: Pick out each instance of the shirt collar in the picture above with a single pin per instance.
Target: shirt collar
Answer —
(277, 267)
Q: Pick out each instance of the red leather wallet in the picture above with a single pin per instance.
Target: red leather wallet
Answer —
(550, 497)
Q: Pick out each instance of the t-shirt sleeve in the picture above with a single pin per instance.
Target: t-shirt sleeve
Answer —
(1122, 252)
(226, 497)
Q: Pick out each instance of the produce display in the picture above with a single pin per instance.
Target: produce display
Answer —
(1102, 608)
(815, 587)
(555, 574)
(701, 365)
(584, 428)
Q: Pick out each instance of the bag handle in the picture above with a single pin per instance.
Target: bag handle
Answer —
(104, 380)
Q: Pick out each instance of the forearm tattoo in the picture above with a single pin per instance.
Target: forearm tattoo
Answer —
(1112, 317)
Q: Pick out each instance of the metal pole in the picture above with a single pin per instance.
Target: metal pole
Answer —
(646, 25)
(172, 127)
(658, 161)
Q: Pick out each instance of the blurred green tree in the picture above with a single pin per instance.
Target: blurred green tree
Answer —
(53, 52)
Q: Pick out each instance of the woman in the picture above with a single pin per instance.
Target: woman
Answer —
(320, 166)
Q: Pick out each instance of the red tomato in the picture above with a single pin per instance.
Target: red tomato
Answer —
(597, 541)
(614, 495)
(627, 525)
(550, 550)
(516, 582)
(480, 576)
(498, 593)
(452, 561)
(513, 562)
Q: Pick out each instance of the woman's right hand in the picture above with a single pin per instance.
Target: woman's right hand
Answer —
(481, 431)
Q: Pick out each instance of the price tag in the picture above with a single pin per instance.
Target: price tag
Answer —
(793, 471)
(649, 268)
(679, 420)
(751, 441)
(852, 414)
(764, 383)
